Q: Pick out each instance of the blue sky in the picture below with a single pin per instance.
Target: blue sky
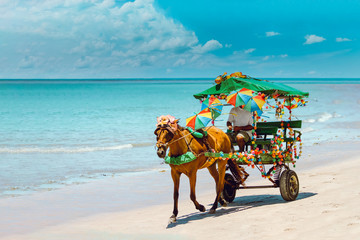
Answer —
(168, 38)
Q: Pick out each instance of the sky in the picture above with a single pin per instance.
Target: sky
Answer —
(179, 39)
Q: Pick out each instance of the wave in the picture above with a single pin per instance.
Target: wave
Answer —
(323, 117)
(307, 130)
(146, 144)
(64, 149)
(83, 149)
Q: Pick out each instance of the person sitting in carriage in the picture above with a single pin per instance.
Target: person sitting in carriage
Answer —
(240, 125)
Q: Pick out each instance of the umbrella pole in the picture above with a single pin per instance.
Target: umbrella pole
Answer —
(290, 101)
(253, 138)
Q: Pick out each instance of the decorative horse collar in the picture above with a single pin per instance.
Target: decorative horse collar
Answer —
(185, 158)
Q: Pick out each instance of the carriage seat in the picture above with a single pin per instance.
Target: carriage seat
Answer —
(266, 131)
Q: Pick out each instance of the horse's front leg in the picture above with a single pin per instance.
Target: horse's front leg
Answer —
(192, 180)
(219, 176)
(176, 179)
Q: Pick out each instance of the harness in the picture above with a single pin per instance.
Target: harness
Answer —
(190, 155)
(171, 142)
(174, 141)
(185, 158)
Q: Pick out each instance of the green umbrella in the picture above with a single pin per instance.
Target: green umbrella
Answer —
(257, 85)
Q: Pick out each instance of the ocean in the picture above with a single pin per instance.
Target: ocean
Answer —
(57, 133)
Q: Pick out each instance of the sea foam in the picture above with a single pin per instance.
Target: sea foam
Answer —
(63, 149)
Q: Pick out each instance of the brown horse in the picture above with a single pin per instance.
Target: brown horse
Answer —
(180, 141)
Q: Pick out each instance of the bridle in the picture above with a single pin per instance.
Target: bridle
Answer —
(171, 141)
(159, 144)
(168, 128)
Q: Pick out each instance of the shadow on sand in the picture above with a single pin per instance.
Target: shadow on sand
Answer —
(239, 204)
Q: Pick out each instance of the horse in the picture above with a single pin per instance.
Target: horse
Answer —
(180, 141)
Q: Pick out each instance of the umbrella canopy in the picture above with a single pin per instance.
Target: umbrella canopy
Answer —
(199, 120)
(213, 105)
(264, 86)
(239, 97)
(294, 103)
(291, 103)
(255, 104)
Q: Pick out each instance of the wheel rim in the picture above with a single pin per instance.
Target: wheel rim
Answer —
(293, 185)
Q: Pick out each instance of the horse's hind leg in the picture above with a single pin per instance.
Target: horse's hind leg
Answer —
(176, 179)
(192, 180)
(221, 170)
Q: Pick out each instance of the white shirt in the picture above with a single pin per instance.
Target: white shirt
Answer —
(239, 117)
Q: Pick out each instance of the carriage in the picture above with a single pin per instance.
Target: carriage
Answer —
(275, 146)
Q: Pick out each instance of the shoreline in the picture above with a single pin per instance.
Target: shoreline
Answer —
(304, 162)
(112, 207)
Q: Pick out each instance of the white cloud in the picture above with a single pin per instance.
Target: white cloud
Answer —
(84, 62)
(339, 39)
(250, 50)
(274, 57)
(98, 33)
(310, 39)
(106, 3)
(180, 62)
(227, 45)
(271, 34)
(210, 45)
(312, 72)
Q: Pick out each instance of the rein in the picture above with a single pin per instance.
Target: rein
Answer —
(171, 142)
(187, 143)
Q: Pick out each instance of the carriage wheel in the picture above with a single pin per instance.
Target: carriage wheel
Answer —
(289, 185)
(229, 191)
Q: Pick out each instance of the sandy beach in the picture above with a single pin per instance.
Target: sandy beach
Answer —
(92, 92)
(326, 208)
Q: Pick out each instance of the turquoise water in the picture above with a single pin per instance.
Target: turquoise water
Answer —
(59, 133)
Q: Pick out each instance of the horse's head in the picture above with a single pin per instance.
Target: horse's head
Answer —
(164, 134)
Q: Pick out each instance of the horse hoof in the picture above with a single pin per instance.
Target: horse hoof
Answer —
(172, 219)
(202, 208)
(222, 202)
(212, 211)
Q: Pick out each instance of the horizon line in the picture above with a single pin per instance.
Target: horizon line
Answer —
(177, 78)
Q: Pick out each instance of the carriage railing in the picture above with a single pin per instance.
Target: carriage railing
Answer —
(275, 144)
